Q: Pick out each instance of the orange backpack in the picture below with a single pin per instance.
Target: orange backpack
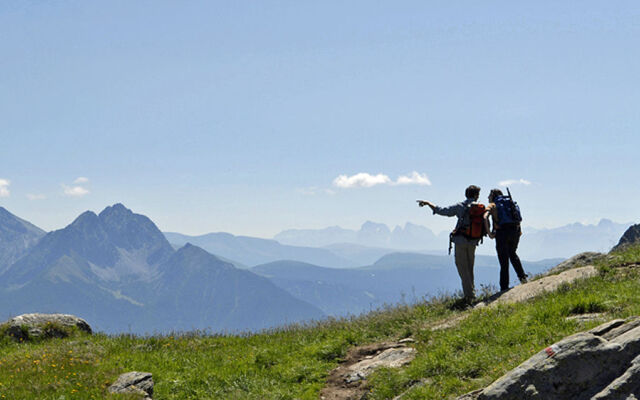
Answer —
(476, 228)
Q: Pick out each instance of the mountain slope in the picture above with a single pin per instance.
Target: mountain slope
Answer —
(334, 291)
(135, 233)
(16, 237)
(205, 292)
(361, 255)
(84, 238)
(68, 289)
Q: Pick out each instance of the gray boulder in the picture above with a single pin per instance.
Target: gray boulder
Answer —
(603, 363)
(134, 383)
(390, 358)
(27, 326)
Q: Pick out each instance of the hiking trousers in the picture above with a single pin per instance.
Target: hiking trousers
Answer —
(507, 239)
(465, 254)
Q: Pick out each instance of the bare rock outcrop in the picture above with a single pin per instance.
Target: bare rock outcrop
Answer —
(603, 363)
(631, 236)
(27, 326)
(390, 358)
(134, 383)
(537, 287)
(579, 260)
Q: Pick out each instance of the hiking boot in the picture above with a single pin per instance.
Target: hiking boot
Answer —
(462, 303)
(523, 278)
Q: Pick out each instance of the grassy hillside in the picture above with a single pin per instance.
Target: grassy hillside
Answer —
(293, 363)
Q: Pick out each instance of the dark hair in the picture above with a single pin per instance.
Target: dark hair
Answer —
(472, 192)
(495, 193)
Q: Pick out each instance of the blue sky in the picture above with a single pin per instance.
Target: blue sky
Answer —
(240, 116)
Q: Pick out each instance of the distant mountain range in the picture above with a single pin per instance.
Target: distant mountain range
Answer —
(571, 239)
(117, 270)
(370, 234)
(394, 278)
(535, 244)
(253, 251)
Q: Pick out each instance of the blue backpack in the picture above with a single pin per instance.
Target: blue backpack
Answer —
(508, 210)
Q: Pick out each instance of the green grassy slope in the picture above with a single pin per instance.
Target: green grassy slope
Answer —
(292, 363)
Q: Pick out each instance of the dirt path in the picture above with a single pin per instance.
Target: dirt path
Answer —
(341, 384)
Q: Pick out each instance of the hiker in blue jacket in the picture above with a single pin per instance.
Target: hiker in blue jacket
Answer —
(506, 218)
(465, 247)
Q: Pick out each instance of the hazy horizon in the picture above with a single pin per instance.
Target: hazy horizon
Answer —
(97, 211)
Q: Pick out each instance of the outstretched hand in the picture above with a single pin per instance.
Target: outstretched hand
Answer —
(422, 203)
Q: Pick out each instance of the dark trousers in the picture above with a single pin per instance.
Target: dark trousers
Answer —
(507, 239)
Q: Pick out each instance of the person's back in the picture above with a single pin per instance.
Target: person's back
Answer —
(463, 237)
(505, 217)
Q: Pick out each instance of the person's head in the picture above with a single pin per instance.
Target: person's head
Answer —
(472, 192)
(494, 193)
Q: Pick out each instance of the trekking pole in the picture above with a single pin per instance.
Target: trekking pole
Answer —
(509, 193)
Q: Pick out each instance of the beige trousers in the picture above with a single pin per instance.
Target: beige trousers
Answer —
(465, 255)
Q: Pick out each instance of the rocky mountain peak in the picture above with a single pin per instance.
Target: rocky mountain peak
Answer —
(196, 256)
(117, 244)
(371, 226)
(115, 211)
(604, 222)
(131, 231)
(631, 236)
(85, 220)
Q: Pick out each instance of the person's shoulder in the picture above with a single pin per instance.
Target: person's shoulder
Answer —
(491, 206)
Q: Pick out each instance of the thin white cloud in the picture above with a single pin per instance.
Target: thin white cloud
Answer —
(4, 188)
(32, 196)
(414, 179)
(361, 180)
(75, 191)
(366, 180)
(509, 182)
(314, 190)
(78, 188)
